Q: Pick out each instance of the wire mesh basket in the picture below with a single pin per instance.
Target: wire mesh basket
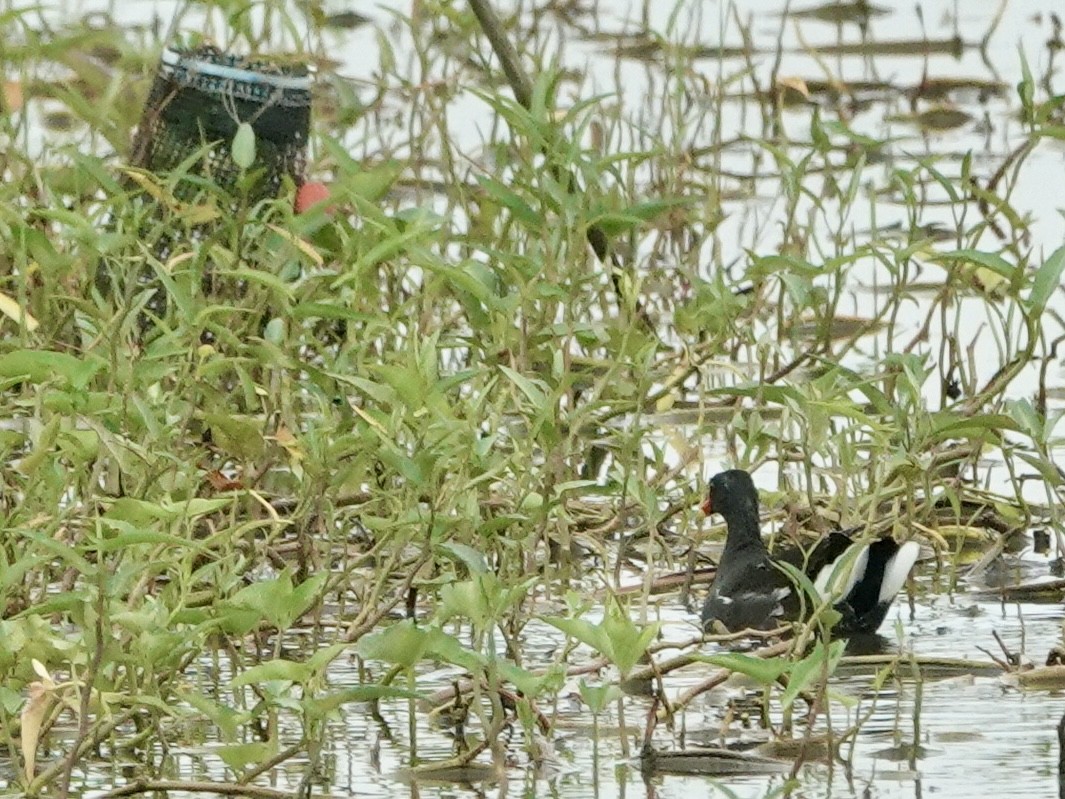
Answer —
(199, 100)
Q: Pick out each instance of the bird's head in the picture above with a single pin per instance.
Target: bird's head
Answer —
(730, 492)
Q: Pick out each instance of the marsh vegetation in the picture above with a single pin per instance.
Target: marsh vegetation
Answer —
(402, 497)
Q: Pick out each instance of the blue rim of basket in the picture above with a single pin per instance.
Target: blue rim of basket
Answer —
(188, 67)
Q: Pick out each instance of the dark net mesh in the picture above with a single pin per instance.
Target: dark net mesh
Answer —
(201, 96)
(198, 100)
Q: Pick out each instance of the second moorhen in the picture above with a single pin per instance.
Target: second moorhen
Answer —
(750, 591)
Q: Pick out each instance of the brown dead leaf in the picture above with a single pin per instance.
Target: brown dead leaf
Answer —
(796, 85)
(291, 444)
(33, 715)
(11, 95)
(219, 482)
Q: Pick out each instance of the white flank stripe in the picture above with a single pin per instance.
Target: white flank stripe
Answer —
(821, 583)
(898, 569)
(828, 579)
(861, 563)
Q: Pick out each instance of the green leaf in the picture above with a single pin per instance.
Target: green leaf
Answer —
(130, 537)
(574, 485)
(197, 506)
(986, 426)
(240, 756)
(447, 648)
(987, 271)
(472, 277)
(43, 447)
(530, 684)
(373, 184)
(275, 601)
(384, 250)
(468, 599)
(765, 671)
(228, 720)
(471, 558)
(507, 198)
(781, 395)
(617, 638)
(137, 512)
(993, 261)
(628, 643)
(821, 662)
(777, 265)
(1030, 421)
(1047, 280)
(259, 276)
(321, 706)
(240, 438)
(1047, 470)
(587, 633)
(947, 184)
(324, 656)
(1026, 88)
(370, 184)
(483, 598)
(597, 697)
(403, 643)
(279, 669)
(616, 222)
(305, 595)
(59, 550)
(1051, 132)
(243, 147)
(535, 394)
(406, 381)
(40, 366)
(142, 513)
(808, 595)
(11, 700)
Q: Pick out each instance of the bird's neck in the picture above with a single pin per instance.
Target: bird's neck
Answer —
(744, 534)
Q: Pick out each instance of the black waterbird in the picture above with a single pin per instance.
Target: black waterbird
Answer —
(751, 590)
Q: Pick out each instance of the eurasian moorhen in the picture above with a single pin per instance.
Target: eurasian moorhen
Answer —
(751, 592)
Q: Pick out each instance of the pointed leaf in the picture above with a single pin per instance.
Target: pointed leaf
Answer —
(531, 390)
(471, 558)
(627, 641)
(584, 631)
(321, 706)
(597, 697)
(279, 669)
(32, 718)
(765, 671)
(243, 147)
(821, 662)
(39, 366)
(240, 756)
(403, 643)
(449, 649)
(1047, 280)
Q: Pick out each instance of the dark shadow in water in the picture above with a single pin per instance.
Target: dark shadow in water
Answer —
(870, 644)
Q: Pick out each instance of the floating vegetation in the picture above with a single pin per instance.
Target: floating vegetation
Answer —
(711, 763)
(858, 12)
(937, 119)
